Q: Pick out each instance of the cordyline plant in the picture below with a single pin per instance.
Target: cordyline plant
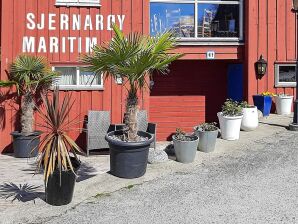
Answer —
(30, 75)
(56, 145)
(134, 58)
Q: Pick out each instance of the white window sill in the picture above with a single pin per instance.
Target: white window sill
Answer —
(210, 42)
(78, 4)
(80, 88)
(286, 85)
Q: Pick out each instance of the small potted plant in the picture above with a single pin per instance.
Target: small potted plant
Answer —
(31, 77)
(185, 146)
(134, 58)
(58, 157)
(230, 120)
(264, 102)
(207, 133)
(250, 120)
(283, 104)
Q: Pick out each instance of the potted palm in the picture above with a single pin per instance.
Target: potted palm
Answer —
(250, 120)
(283, 104)
(264, 102)
(58, 156)
(134, 58)
(185, 146)
(230, 120)
(30, 76)
(207, 133)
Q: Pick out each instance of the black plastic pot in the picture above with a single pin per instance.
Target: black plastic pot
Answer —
(24, 144)
(128, 159)
(61, 193)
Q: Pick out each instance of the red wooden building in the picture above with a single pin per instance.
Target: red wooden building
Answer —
(221, 40)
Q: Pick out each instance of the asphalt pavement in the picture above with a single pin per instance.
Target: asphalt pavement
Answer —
(258, 185)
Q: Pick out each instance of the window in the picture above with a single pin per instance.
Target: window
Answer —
(78, 2)
(198, 20)
(76, 78)
(285, 75)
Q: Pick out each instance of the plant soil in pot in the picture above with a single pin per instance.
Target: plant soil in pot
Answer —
(250, 120)
(59, 189)
(185, 146)
(207, 134)
(230, 120)
(128, 159)
(25, 146)
(283, 104)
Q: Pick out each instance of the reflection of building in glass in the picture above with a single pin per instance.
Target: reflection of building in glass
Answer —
(204, 28)
(180, 25)
(226, 21)
(287, 74)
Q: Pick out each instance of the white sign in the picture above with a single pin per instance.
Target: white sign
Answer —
(210, 55)
(63, 22)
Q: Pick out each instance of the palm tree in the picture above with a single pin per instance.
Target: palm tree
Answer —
(30, 75)
(133, 58)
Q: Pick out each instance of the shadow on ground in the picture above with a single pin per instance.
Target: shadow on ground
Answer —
(85, 172)
(21, 192)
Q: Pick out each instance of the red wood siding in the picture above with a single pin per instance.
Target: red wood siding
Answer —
(13, 26)
(270, 31)
(190, 94)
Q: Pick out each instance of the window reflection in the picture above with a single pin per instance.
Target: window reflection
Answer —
(218, 20)
(178, 18)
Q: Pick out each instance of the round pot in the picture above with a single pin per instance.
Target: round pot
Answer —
(61, 193)
(185, 151)
(128, 159)
(250, 120)
(25, 146)
(207, 140)
(229, 126)
(283, 104)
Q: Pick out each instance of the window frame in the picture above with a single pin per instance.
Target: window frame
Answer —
(276, 75)
(195, 40)
(77, 86)
(78, 3)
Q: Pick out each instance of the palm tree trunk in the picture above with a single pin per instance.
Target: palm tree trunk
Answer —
(27, 118)
(132, 108)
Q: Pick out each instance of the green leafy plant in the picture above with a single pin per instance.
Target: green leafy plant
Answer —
(134, 58)
(207, 127)
(31, 76)
(245, 104)
(231, 108)
(180, 135)
(56, 145)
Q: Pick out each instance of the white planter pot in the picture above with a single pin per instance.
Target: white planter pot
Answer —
(229, 126)
(283, 104)
(250, 120)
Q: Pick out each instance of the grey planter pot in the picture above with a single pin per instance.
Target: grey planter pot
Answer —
(185, 151)
(25, 146)
(207, 140)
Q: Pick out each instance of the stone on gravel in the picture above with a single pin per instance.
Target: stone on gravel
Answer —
(157, 156)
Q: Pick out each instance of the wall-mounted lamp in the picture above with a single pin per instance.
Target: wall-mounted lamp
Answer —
(261, 67)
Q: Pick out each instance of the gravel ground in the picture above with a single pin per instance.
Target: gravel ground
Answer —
(259, 185)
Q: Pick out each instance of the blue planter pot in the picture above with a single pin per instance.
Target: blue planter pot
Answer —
(263, 103)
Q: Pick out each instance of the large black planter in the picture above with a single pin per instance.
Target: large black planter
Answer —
(24, 144)
(61, 193)
(128, 159)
